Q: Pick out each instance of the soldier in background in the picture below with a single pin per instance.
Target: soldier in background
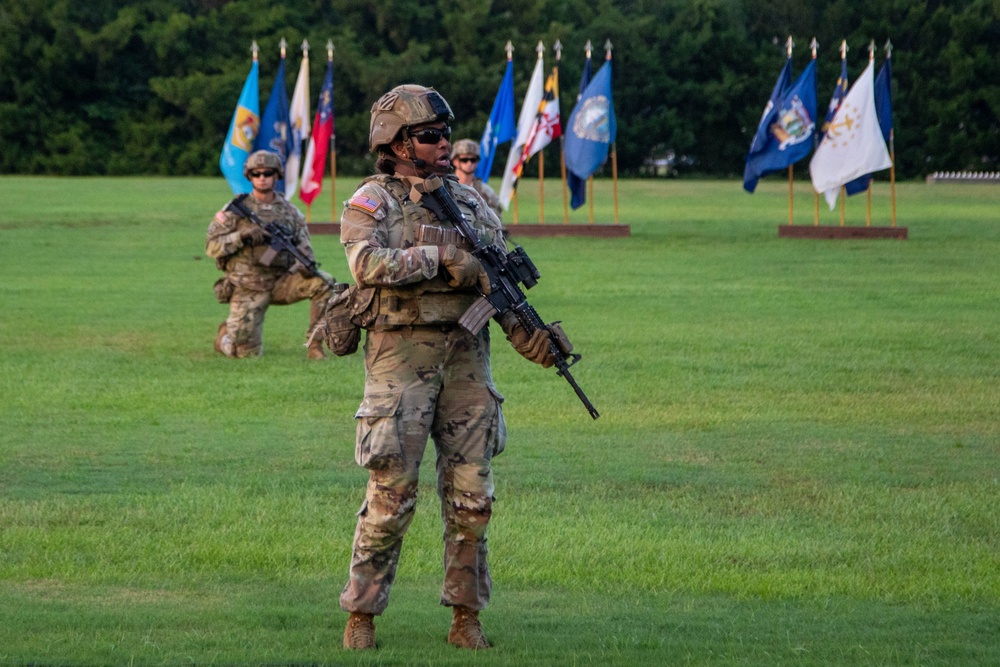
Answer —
(465, 159)
(249, 287)
(425, 375)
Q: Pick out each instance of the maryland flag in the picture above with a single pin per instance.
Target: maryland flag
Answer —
(547, 122)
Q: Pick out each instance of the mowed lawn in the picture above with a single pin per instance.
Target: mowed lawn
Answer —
(797, 460)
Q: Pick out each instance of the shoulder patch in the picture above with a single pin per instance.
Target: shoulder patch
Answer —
(366, 204)
(220, 217)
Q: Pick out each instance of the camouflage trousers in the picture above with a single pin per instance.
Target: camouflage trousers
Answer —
(425, 382)
(244, 334)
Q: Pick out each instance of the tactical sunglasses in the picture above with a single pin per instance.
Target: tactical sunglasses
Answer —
(473, 160)
(431, 135)
(267, 173)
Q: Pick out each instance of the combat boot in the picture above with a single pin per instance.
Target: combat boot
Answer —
(466, 632)
(360, 631)
(218, 338)
(314, 349)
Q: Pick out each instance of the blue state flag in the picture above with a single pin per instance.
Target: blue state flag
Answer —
(836, 99)
(578, 186)
(883, 108)
(274, 135)
(500, 127)
(788, 134)
(781, 86)
(592, 128)
(242, 132)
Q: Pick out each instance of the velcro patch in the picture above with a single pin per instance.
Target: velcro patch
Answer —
(220, 218)
(366, 204)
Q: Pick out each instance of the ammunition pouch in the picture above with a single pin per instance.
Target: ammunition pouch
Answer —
(223, 289)
(397, 309)
(343, 316)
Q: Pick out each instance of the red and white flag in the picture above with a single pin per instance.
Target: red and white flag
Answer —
(547, 124)
(319, 142)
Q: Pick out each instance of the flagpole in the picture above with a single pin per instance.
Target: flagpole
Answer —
(541, 187)
(791, 188)
(608, 46)
(590, 197)
(868, 209)
(590, 179)
(541, 158)
(562, 138)
(843, 190)
(892, 145)
(814, 45)
(333, 150)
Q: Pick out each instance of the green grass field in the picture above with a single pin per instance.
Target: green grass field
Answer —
(797, 461)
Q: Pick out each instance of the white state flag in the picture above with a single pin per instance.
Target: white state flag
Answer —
(299, 122)
(853, 145)
(529, 111)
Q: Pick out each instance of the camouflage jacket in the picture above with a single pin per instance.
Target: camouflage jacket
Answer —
(241, 262)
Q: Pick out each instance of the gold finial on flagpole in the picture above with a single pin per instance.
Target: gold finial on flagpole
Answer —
(844, 49)
(558, 47)
(329, 49)
(510, 50)
(305, 47)
(587, 48)
(283, 45)
(540, 49)
(888, 49)
(789, 44)
(871, 51)
(814, 45)
(254, 49)
(607, 49)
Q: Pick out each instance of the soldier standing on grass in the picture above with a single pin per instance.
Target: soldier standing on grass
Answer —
(249, 286)
(465, 158)
(425, 375)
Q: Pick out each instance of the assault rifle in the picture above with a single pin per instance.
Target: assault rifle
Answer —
(280, 239)
(505, 272)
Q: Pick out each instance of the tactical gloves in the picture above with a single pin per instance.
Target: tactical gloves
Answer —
(463, 267)
(250, 233)
(536, 347)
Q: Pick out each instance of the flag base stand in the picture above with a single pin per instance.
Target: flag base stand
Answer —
(521, 230)
(838, 232)
(558, 229)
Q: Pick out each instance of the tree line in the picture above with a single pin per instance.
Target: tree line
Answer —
(149, 86)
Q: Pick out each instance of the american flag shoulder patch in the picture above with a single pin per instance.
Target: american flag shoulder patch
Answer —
(364, 203)
(220, 218)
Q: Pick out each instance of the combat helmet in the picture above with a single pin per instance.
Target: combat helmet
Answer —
(403, 107)
(263, 160)
(465, 147)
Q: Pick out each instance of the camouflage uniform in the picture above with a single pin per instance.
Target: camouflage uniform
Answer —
(255, 286)
(488, 195)
(426, 376)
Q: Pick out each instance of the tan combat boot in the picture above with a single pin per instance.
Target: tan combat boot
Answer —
(218, 338)
(360, 631)
(466, 632)
(314, 350)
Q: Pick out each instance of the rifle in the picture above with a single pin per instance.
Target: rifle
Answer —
(280, 240)
(505, 272)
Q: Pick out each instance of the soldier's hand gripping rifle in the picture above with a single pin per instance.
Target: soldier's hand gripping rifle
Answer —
(280, 239)
(504, 270)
